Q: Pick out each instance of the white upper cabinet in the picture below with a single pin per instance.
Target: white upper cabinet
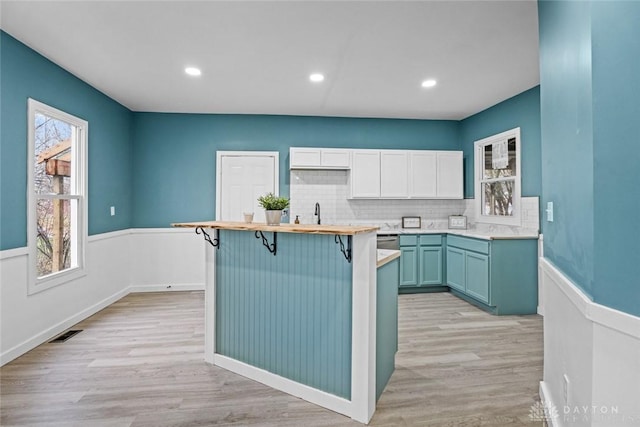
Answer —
(406, 174)
(450, 176)
(304, 157)
(319, 158)
(335, 158)
(389, 174)
(394, 180)
(365, 174)
(423, 174)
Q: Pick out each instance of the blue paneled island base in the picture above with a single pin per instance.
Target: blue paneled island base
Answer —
(289, 314)
(297, 308)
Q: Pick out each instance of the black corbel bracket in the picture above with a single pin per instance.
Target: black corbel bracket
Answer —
(216, 240)
(345, 252)
(270, 247)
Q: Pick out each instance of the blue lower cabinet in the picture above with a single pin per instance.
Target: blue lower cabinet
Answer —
(430, 271)
(477, 276)
(498, 275)
(468, 270)
(408, 266)
(456, 275)
(421, 261)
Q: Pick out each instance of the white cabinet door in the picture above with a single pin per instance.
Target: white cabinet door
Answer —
(449, 179)
(422, 174)
(304, 157)
(365, 174)
(319, 158)
(394, 180)
(335, 158)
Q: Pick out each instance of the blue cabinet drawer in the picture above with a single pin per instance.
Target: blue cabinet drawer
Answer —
(408, 240)
(481, 246)
(430, 239)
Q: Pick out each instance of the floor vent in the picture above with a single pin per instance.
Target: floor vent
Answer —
(65, 336)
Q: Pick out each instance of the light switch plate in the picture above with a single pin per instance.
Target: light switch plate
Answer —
(113, 210)
(549, 211)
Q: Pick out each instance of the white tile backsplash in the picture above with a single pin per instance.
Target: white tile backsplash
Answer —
(331, 190)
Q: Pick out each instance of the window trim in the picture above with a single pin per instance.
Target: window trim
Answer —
(478, 148)
(80, 162)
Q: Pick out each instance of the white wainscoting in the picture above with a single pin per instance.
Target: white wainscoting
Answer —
(167, 259)
(597, 348)
(135, 260)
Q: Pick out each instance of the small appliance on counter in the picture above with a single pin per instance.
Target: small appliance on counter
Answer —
(411, 222)
(458, 222)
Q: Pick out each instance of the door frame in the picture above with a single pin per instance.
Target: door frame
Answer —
(220, 154)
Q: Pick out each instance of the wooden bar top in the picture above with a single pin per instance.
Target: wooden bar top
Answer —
(282, 228)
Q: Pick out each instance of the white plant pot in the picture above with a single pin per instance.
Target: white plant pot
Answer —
(273, 217)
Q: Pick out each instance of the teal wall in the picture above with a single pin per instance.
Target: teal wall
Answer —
(175, 154)
(590, 102)
(615, 33)
(26, 74)
(522, 110)
(567, 137)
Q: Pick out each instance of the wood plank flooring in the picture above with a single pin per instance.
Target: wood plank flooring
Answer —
(139, 363)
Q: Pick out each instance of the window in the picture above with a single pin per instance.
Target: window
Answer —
(57, 196)
(497, 178)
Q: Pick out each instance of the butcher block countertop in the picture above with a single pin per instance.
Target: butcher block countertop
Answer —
(282, 228)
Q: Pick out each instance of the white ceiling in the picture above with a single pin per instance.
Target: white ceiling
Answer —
(256, 56)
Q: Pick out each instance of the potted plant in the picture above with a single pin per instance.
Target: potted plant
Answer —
(273, 206)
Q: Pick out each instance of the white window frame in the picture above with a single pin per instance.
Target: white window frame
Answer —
(79, 222)
(478, 146)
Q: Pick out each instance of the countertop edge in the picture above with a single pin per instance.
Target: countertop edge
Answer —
(387, 258)
(463, 233)
(282, 228)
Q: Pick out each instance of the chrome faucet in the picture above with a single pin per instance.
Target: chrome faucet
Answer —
(318, 212)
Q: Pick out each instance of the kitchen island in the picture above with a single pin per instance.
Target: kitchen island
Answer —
(295, 307)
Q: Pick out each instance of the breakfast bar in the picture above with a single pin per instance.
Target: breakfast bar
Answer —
(296, 307)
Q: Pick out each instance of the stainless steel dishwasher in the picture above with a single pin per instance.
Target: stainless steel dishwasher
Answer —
(388, 241)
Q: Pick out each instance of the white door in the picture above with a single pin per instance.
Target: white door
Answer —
(242, 177)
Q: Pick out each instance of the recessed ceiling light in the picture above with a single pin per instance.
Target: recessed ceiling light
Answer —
(193, 71)
(316, 77)
(429, 83)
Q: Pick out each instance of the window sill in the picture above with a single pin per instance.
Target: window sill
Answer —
(513, 221)
(55, 279)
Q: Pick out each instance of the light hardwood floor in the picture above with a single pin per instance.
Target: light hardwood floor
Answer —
(139, 363)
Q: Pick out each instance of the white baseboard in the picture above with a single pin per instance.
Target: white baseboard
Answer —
(320, 398)
(167, 287)
(54, 330)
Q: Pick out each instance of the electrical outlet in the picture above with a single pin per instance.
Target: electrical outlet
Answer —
(113, 210)
(565, 388)
(549, 211)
